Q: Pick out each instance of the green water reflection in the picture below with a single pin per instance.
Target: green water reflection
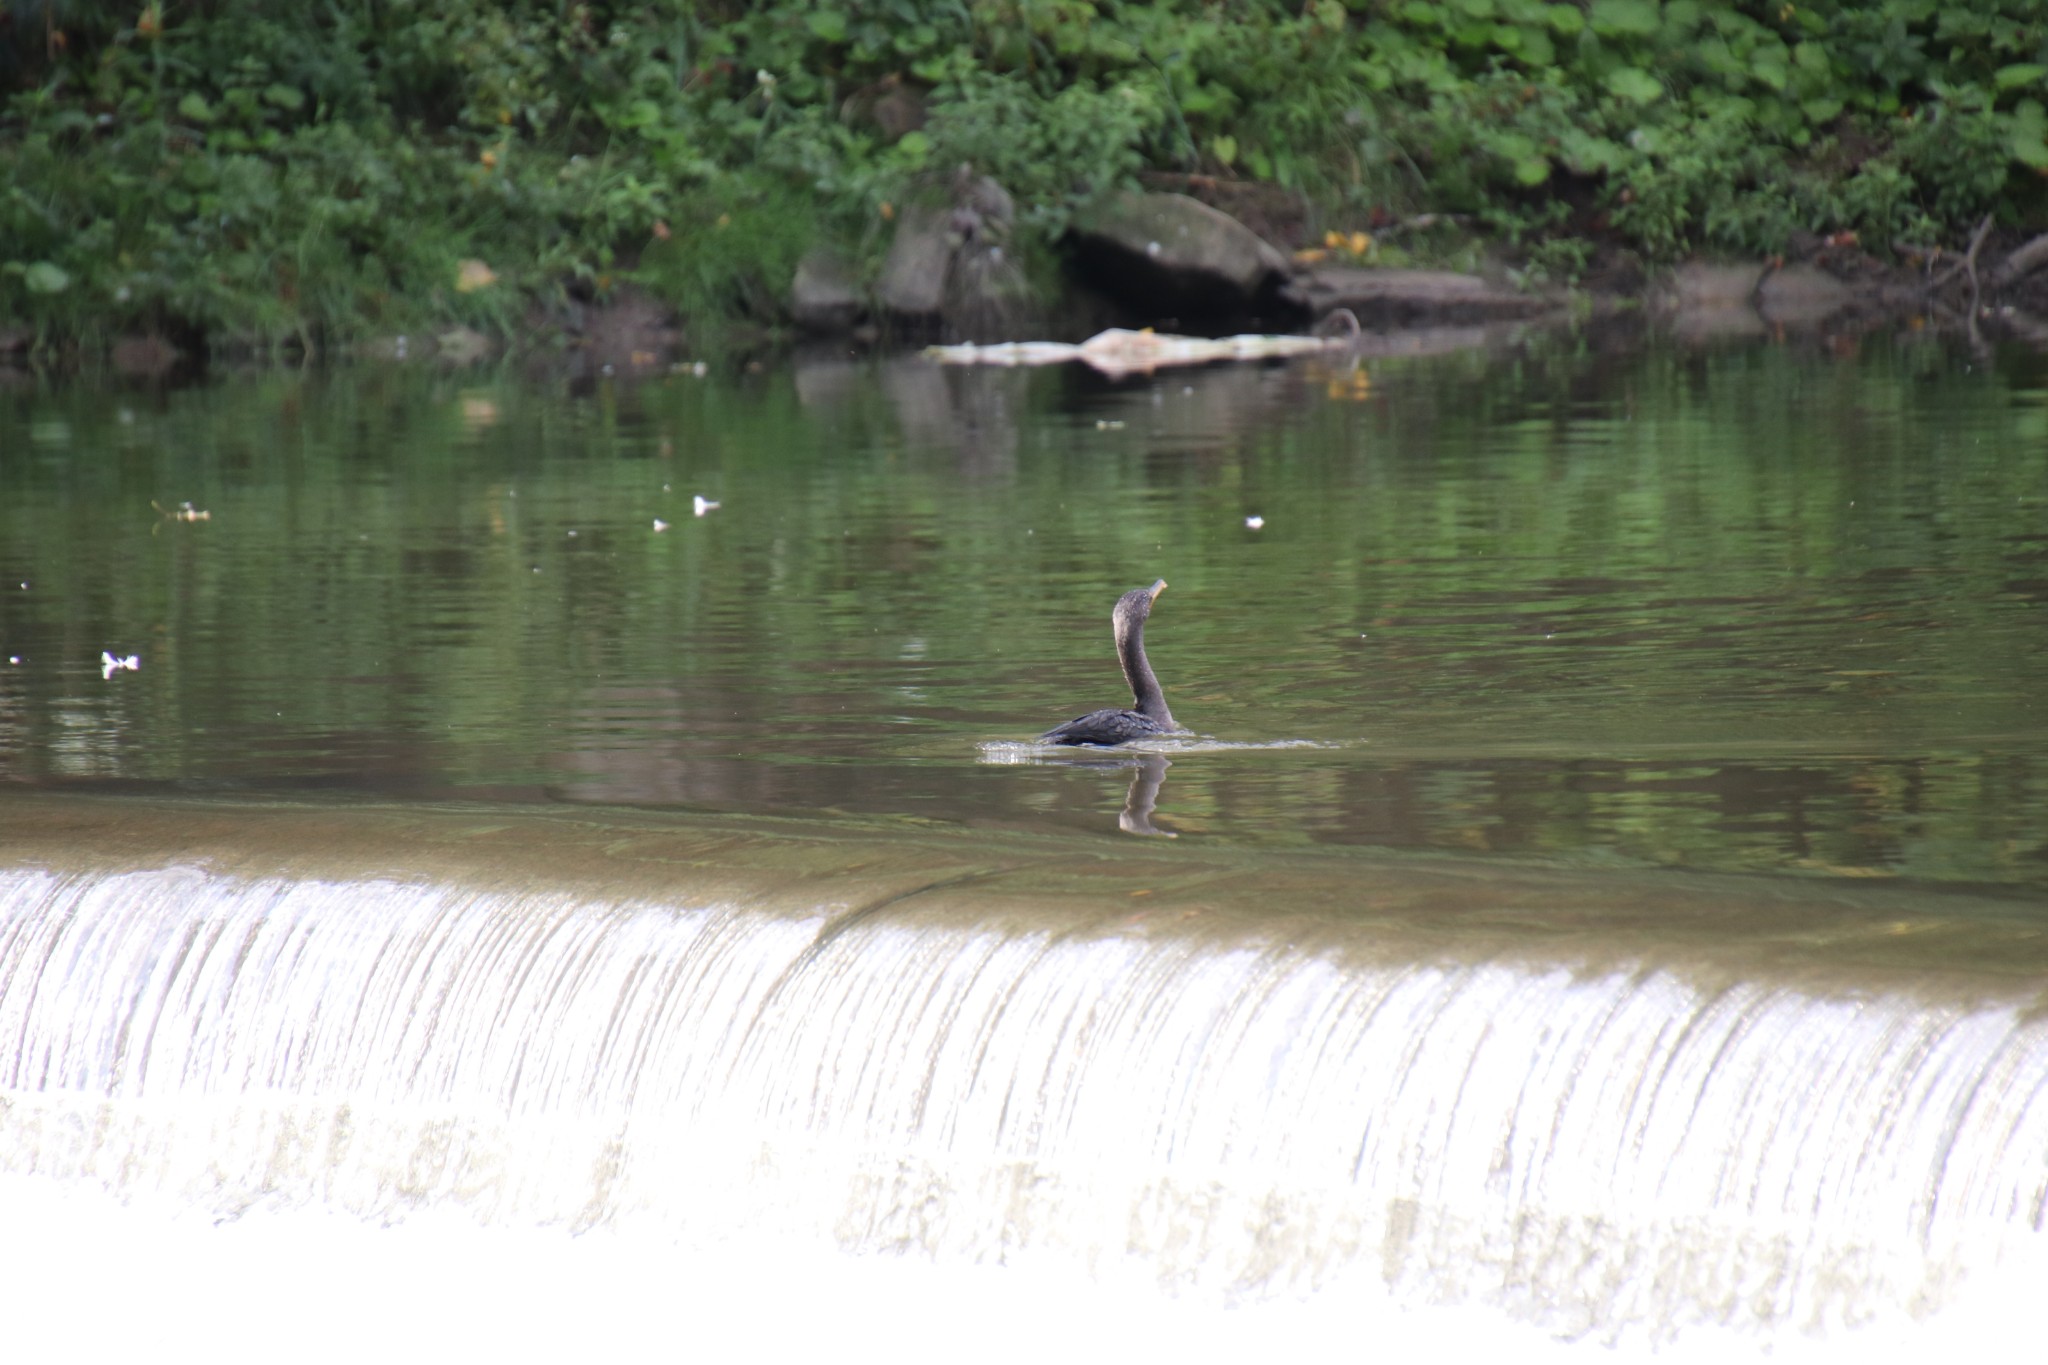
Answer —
(1770, 608)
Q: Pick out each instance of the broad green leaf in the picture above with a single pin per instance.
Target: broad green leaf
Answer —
(2025, 73)
(1532, 170)
(1635, 85)
(830, 25)
(1622, 18)
(284, 96)
(1588, 153)
(1566, 19)
(1224, 148)
(195, 108)
(45, 277)
(2028, 138)
(1681, 17)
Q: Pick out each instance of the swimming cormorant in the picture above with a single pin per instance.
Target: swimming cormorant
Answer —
(1151, 716)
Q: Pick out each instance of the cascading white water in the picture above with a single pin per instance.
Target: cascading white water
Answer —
(1246, 1111)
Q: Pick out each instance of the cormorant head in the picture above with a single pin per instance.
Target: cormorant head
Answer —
(1134, 606)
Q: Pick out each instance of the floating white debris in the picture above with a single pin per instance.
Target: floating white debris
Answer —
(111, 664)
(1122, 351)
(701, 504)
(1108, 424)
(1254, 523)
(660, 525)
(14, 658)
(184, 511)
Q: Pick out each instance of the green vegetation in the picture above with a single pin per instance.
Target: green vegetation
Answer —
(269, 171)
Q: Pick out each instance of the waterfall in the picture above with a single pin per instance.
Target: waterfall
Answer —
(1242, 1108)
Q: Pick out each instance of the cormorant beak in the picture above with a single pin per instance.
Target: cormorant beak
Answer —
(1158, 588)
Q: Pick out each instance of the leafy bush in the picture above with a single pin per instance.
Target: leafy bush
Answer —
(1052, 153)
(273, 171)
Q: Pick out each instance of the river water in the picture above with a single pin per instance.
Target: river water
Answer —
(1607, 899)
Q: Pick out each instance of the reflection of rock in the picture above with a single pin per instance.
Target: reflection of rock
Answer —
(825, 378)
(970, 412)
(1170, 254)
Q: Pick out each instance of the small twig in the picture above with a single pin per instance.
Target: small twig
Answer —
(1967, 261)
(1976, 245)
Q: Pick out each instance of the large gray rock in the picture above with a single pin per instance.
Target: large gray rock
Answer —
(949, 268)
(1170, 251)
(1379, 297)
(913, 283)
(1801, 296)
(1711, 285)
(824, 297)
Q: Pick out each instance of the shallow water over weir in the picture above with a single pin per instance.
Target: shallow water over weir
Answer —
(1638, 1107)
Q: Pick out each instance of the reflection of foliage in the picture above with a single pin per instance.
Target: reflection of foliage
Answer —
(1738, 610)
(272, 170)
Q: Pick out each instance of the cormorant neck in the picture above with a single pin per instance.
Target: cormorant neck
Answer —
(1145, 693)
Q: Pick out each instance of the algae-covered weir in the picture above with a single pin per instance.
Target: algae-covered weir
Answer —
(1612, 1106)
(470, 843)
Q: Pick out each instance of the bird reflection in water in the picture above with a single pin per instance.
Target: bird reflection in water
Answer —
(1148, 774)
(1136, 817)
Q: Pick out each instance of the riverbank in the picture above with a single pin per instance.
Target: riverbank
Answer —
(1400, 313)
(278, 182)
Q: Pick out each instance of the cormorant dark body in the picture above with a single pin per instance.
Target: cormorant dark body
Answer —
(1150, 716)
